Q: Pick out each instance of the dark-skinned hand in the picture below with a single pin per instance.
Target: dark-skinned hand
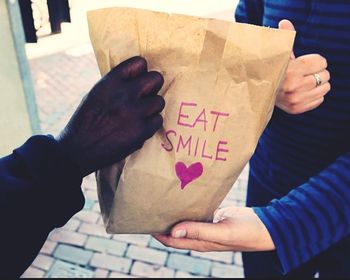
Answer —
(115, 118)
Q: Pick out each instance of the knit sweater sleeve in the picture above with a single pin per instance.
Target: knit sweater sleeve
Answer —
(312, 217)
(250, 11)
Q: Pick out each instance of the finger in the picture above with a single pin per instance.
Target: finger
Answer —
(151, 105)
(312, 105)
(310, 80)
(227, 213)
(224, 213)
(190, 244)
(152, 125)
(287, 25)
(148, 84)
(199, 231)
(216, 217)
(131, 68)
(316, 93)
(310, 64)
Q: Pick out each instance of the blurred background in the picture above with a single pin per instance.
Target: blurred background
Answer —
(46, 66)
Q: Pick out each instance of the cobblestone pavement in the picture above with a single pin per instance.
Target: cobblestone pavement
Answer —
(82, 248)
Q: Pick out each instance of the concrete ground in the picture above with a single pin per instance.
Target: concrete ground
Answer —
(64, 69)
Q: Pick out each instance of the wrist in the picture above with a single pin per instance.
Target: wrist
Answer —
(264, 239)
(70, 150)
(45, 159)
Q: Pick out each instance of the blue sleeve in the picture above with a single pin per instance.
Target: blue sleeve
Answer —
(39, 191)
(250, 11)
(312, 217)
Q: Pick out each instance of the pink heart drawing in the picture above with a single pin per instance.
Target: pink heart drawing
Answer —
(188, 174)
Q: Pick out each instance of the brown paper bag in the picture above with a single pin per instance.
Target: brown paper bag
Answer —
(220, 84)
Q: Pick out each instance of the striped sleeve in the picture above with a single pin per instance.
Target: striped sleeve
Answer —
(250, 11)
(312, 217)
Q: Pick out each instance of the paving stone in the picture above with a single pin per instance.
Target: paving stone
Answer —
(152, 271)
(101, 273)
(87, 216)
(89, 204)
(73, 254)
(157, 245)
(90, 178)
(226, 257)
(106, 245)
(147, 255)
(111, 263)
(238, 259)
(227, 203)
(96, 208)
(137, 239)
(119, 275)
(68, 237)
(181, 274)
(100, 221)
(71, 225)
(94, 229)
(43, 262)
(240, 194)
(245, 172)
(91, 195)
(224, 271)
(89, 183)
(189, 264)
(48, 247)
(32, 272)
(62, 269)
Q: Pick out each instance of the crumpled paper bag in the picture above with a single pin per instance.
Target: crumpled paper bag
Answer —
(221, 80)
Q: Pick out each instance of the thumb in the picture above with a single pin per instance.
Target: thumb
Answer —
(287, 25)
(197, 231)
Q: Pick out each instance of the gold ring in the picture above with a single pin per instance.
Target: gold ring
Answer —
(318, 79)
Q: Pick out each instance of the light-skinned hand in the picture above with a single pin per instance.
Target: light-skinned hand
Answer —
(299, 93)
(233, 229)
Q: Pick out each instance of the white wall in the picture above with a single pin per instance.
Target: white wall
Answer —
(15, 126)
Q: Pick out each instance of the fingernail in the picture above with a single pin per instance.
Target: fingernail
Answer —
(180, 233)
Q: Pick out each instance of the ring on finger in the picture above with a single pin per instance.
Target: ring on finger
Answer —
(317, 79)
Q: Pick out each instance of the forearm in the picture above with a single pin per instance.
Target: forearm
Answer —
(39, 191)
(312, 217)
(40, 182)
